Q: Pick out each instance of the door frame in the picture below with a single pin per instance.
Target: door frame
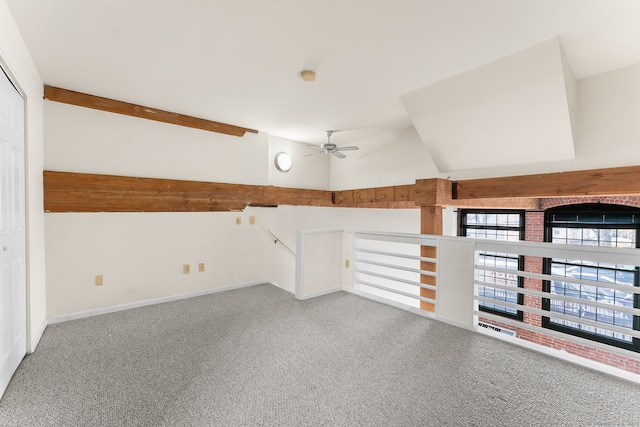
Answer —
(13, 79)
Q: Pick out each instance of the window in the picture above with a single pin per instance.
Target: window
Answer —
(497, 225)
(593, 225)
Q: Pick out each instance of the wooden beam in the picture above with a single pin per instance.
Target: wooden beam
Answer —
(422, 194)
(105, 104)
(596, 182)
(510, 203)
(433, 192)
(430, 223)
(380, 205)
(395, 197)
(69, 192)
(77, 192)
(296, 197)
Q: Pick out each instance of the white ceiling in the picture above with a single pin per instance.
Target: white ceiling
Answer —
(238, 61)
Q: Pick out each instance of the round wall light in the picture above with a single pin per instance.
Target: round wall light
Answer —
(283, 162)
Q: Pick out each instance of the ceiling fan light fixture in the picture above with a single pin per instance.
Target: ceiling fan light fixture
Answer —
(331, 148)
(308, 75)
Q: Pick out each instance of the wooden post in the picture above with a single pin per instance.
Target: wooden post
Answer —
(430, 223)
(431, 196)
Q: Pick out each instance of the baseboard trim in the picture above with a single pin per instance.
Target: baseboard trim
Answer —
(551, 352)
(319, 293)
(143, 303)
(36, 338)
(560, 354)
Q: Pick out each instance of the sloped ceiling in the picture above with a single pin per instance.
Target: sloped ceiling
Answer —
(508, 112)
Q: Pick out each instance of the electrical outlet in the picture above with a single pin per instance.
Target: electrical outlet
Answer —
(186, 269)
(99, 280)
(347, 263)
(201, 267)
(252, 220)
(238, 220)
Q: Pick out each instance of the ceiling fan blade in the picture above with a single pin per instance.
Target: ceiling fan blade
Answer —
(312, 154)
(314, 146)
(338, 154)
(347, 148)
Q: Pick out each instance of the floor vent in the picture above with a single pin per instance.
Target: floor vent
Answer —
(498, 329)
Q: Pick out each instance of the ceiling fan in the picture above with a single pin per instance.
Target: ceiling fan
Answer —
(331, 148)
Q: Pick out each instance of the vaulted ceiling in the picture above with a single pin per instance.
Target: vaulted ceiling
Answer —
(381, 65)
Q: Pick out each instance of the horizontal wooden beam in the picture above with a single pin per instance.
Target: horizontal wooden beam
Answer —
(427, 192)
(105, 104)
(77, 192)
(397, 197)
(439, 192)
(274, 196)
(524, 203)
(74, 192)
(595, 182)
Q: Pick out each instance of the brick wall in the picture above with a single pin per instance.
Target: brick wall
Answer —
(614, 200)
(534, 232)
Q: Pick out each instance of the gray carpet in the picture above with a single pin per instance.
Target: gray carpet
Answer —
(257, 357)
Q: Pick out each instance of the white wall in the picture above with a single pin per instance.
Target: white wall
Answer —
(141, 255)
(91, 141)
(310, 172)
(16, 61)
(393, 158)
(607, 130)
(476, 117)
(279, 265)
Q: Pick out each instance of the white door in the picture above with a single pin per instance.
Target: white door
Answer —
(13, 317)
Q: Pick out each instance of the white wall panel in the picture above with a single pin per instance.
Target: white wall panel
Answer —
(319, 263)
(393, 158)
(307, 172)
(90, 141)
(455, 282)
(609, 129)
(140, 255)
(605, 123)
(508, 112)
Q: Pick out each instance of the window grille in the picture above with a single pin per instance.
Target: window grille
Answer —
(593, 284)
(497, 225)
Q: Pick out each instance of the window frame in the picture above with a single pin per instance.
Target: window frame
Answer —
(463, 226)
(593, 208)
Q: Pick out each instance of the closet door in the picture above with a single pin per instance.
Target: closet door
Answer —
(13, 293)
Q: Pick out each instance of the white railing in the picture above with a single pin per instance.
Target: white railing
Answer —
(388, 267)
(582, 305)
(277, 240)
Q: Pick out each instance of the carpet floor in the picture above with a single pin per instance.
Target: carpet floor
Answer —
(258, 357)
